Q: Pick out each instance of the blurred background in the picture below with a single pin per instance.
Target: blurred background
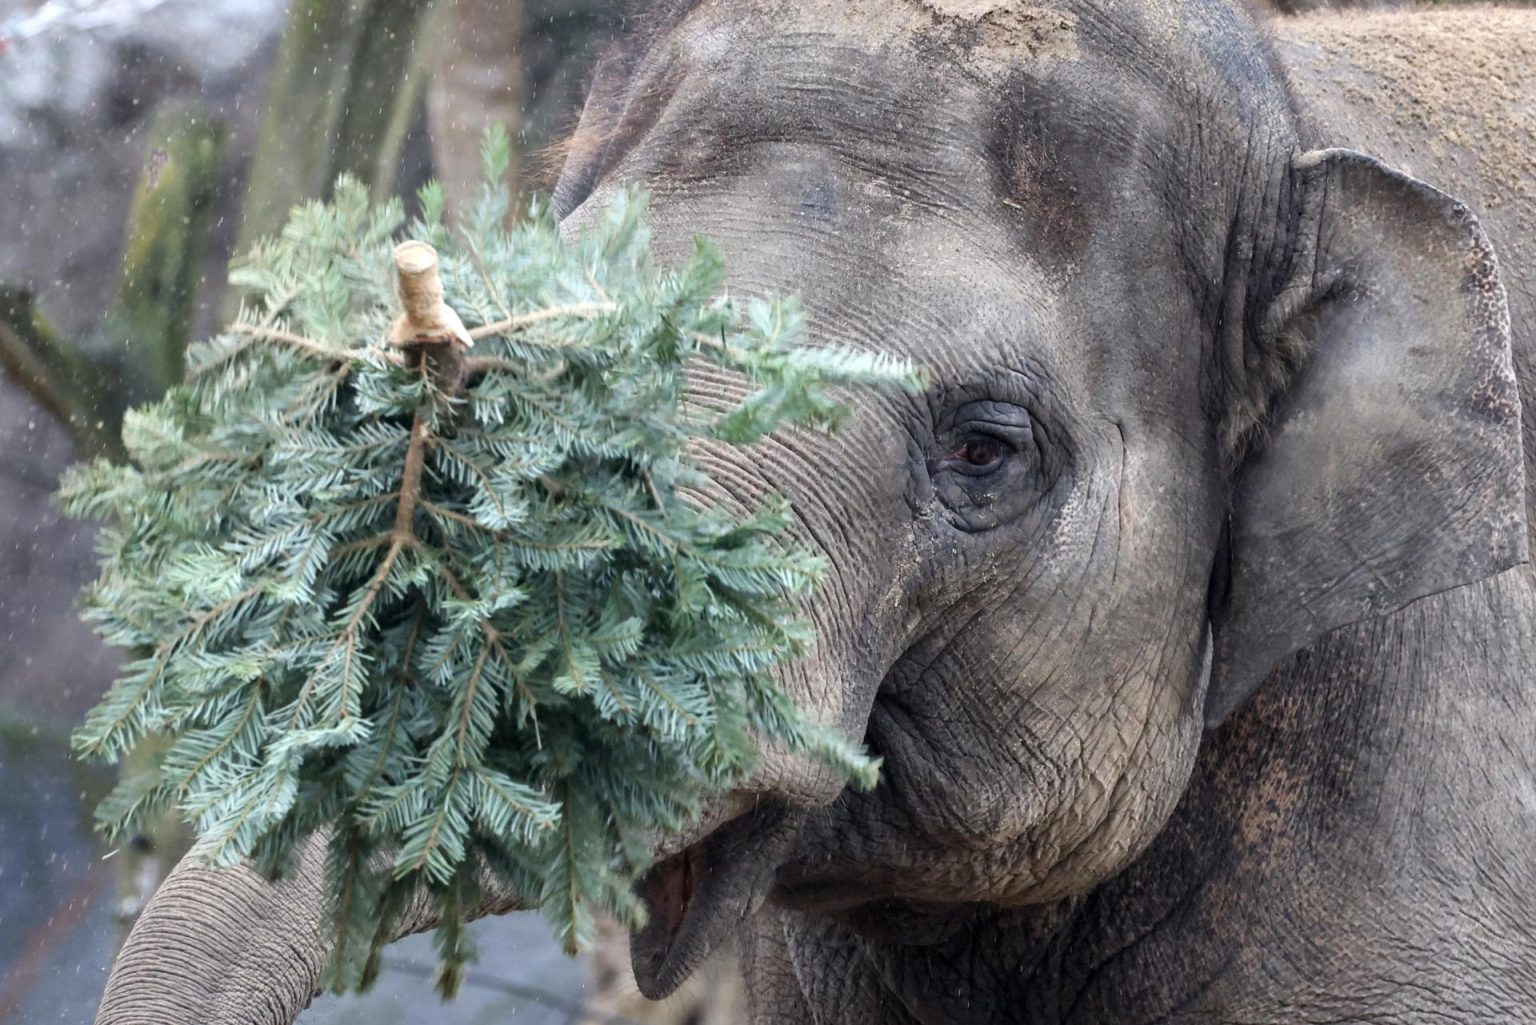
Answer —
(142, 143)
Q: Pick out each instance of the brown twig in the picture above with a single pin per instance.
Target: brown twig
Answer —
(309, 345)
(521, 321)
(401, 536)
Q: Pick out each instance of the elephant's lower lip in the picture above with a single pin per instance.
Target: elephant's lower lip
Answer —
(820, 894)
(699, 897)
(667, 893)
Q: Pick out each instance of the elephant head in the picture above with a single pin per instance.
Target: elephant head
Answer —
(1200, 394)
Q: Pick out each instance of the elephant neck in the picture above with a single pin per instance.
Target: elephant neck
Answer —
(1355, 844)
(1363, 824)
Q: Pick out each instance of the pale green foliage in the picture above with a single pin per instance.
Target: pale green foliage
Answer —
(556, 658)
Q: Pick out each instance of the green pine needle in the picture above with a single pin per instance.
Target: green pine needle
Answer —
(552, 655)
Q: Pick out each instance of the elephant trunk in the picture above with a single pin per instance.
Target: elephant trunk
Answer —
(226, 946)
(833, 684)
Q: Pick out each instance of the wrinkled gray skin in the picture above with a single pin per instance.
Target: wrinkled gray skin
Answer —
(1210, 404)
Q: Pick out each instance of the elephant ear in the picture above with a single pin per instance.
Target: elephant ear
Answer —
(1391, 468)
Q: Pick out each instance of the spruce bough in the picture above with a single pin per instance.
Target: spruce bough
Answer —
(458, 608)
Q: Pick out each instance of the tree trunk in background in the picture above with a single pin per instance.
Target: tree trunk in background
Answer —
(476, 81)
(343, 91)
(147, 329)
(135, 350)
(55, 374)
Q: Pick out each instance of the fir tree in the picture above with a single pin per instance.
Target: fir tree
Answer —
(445, 602)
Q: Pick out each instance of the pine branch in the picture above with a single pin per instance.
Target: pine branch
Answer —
(455, 606)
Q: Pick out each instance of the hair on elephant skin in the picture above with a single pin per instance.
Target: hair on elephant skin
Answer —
(1189, 609)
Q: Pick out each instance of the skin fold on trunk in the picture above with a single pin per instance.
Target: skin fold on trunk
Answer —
(226, 945)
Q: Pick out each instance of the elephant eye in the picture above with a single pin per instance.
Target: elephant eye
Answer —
(977, 456)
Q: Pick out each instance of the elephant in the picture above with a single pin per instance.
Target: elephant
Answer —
(1189, 608)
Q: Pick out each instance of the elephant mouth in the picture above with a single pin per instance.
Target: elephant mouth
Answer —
(699, 897)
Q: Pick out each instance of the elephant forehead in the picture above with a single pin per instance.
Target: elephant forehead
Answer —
(897, 106)
(846, 152)
(989, 33)
(943, 286)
